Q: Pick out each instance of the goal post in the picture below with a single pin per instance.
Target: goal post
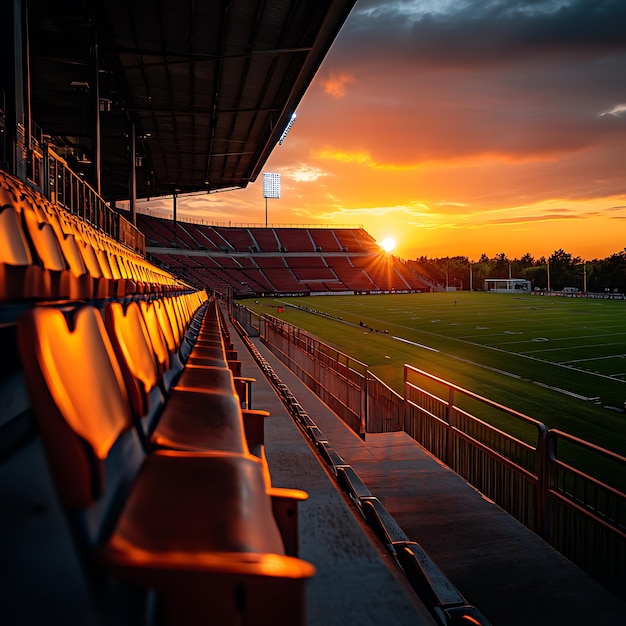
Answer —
(508, 285)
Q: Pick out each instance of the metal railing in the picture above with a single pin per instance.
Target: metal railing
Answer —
(507, 468)
(385, 408)
(585, 518)
(337, 379)
(528, 471)
(533, 473)
(51, 174)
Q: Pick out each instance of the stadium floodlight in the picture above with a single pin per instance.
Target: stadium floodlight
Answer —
(271, 189)
(271, 185)
(287, 129)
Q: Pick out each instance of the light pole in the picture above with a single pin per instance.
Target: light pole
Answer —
(549, 289)
(271, 189)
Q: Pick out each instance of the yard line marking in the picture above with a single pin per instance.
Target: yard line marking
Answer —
(567, 393)
(413, 343)
(534, 382)
(488, 367)
(521, 355)
(570, 347)
(595, 358)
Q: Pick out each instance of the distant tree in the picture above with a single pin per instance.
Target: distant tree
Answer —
(501, 266)
(609, 274)
(565, 270)
(527, 260)
(537, 275)
(481, 270)
(458, 272)
(596, 281)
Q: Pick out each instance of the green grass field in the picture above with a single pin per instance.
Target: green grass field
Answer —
(559, 360)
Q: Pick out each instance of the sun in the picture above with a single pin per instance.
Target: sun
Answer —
(388, 244)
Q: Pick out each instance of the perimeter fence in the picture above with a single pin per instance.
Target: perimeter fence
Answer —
(531, 472)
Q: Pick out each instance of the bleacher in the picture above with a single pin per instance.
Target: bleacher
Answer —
(236, 239)
(325, 240)
(312, 260)
(265, 239)
(294, 239)
(126, 376)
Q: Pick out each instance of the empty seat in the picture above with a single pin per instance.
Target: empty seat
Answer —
(196, 528)
(206, 416)
(19, 277)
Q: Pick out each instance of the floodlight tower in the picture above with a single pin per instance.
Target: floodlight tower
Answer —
(271, 189)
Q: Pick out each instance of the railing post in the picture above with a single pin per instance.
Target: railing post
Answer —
(546, 450)
(449, 420)
(367, 401)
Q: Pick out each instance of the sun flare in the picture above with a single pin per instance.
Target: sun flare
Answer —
(388, 244)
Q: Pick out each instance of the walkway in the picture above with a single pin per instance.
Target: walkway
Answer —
(511, 575)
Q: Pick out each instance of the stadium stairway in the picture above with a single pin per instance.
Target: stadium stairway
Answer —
(500, 567)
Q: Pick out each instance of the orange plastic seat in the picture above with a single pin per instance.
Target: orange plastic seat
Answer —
(206, 416)
(55, 270)
(103, 286)
(20, 278)
(196, 528)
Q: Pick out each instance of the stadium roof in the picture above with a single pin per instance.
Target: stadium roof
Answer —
(209, 86)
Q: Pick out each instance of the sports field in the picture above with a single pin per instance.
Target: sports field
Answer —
(559, 360)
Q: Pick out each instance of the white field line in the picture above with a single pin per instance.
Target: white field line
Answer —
(567, 393)
(511, 354)
(517, 354)
(413, 343)
(534, 382)
(596, 358)
(499, 371)
(584, 347)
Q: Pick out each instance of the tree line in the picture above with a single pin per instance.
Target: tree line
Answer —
(560, 270)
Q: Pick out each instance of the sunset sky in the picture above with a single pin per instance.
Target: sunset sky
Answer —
(458, 127)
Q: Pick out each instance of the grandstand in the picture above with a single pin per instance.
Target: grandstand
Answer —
(255, 261)
(155, 468)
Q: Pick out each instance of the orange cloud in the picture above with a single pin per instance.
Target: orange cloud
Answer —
(363, 158)
(335, 84)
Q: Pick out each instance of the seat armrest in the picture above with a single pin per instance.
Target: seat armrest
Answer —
(285, 509)
(254, 426)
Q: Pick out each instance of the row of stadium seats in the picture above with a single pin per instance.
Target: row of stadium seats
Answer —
(258, 273)
(155, 452)
(159, 467)
(161, 233)
(49, 254)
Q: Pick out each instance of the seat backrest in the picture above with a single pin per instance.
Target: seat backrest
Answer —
(157, 338)
(170, 332)
(133, 348)
(19, 276)
(83, 411)
(177, 323)
(14, 248)
(48, 251)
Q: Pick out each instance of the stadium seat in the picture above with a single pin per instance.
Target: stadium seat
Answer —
(169, 365)
(201, 414)
(56, 274)
(20, 278)
(198, 529)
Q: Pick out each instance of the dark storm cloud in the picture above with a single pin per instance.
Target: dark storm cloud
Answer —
(453, 78)
(478, 32)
